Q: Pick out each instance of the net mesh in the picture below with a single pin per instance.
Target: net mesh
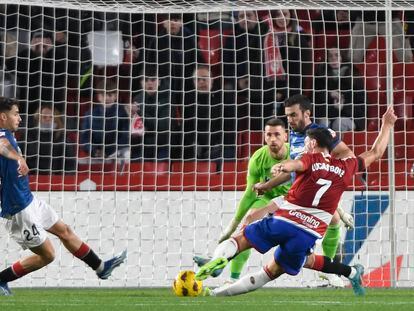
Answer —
(139, 118)
(167, 6)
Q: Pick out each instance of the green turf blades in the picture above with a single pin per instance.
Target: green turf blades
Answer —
(162, 299)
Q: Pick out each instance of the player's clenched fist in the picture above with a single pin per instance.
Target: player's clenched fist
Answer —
(260, 188)
(22, 169)
(277, 169)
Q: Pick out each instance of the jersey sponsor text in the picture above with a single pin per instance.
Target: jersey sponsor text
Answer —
(307, 220)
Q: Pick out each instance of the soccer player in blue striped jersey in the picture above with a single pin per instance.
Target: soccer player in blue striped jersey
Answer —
(298, 111)
(28, 219)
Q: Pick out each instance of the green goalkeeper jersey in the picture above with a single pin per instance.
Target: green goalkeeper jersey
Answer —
(260, 165)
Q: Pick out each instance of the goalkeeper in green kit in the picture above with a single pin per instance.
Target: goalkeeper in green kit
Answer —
(259, 171)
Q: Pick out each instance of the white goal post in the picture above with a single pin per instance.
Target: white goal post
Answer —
(190, 84)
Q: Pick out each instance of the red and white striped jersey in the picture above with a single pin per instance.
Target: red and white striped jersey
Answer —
(314, 196)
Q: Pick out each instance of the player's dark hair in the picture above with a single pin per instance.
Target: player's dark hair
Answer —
(301, 100)
(6, 103)
(275, 122)
(322, 136)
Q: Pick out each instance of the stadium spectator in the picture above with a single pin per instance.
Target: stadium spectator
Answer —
(40, 73)
(153, 102)
(8, 49)
(213, 30)
(288, 57)
(339, 96)
(105, 130)
(333, 21)
(173, 50)
(131, 68)
(372, 24)
(409, 26)
(242, 55)
(137, 130)
(203, 113)
(244, 69)
(48, 149)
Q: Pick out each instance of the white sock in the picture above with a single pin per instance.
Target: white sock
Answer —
(353, 273)
(246, 284)
(226, 249)
(101, 267)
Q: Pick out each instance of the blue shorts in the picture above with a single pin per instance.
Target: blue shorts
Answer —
(294, 243)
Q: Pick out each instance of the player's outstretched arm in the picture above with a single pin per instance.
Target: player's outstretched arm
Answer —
(288, 166)
(377, 150)
(7, 151)
(277, 180)
(342, 151)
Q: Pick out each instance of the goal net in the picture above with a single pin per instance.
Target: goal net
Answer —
(139, 117)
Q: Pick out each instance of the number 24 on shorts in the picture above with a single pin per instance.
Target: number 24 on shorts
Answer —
(29, 235)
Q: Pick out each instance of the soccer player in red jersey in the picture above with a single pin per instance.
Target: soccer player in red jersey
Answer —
(298, 111)
(302, 216)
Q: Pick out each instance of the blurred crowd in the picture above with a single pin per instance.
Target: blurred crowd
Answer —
(166, 87)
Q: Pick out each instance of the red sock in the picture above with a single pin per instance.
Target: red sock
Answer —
(319, 263)
(87, 255)
(82, 251)
(18, 269)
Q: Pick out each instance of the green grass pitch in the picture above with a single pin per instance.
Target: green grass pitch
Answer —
(163, 299)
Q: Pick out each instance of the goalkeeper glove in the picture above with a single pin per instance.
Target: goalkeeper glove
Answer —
(231, 227)
(346, 218)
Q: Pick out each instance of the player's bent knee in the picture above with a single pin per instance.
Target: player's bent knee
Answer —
(66, 233)
(45, 254)
(273, 269)
(48, 256)
(242, 242)
(335, 219)
(310, 260)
